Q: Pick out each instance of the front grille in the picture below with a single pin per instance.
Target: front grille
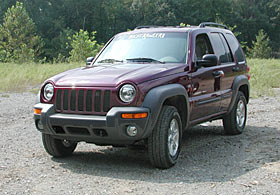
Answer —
(97, 101)
(81, 100)
(65, 99)
(89, 101)
(84, 101)
(106, 105)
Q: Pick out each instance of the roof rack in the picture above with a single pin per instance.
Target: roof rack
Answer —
(150, 26)
(155, 26)
(204, 24)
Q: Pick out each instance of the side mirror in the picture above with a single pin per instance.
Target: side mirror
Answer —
(89, 60)
(208, 60)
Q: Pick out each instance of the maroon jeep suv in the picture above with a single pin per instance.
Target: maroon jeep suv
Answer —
(147, 85)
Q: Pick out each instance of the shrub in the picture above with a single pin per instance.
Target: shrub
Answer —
(83, 46)
(261, 47)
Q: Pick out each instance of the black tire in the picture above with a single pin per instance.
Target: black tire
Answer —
(230, 122)
(158, 150)
(58, 147)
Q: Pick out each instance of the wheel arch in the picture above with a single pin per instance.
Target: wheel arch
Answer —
(242, 84)
(180, 104)
(169, 94)
(245, 89)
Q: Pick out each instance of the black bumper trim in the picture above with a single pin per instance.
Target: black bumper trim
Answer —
(112, 124)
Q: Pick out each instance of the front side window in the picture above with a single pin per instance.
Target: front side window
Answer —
(202, 46)
(146, 47)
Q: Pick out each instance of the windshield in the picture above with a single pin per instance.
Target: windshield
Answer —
(146, 47)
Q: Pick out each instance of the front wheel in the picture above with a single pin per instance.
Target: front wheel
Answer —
(235, 122)
(58, 147)
(164, 144)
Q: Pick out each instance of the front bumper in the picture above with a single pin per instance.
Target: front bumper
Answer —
(102, 130)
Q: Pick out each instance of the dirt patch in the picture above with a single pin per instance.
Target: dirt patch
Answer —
(210, 162)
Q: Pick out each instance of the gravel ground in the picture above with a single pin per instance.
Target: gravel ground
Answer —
(210, 162)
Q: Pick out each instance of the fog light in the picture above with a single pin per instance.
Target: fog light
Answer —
(131, 131)
(39, 125)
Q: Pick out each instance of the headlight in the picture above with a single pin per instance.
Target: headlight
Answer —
(127, 93)
(48, 92)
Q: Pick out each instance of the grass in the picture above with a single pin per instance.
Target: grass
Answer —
(265, 75)
(28, 77)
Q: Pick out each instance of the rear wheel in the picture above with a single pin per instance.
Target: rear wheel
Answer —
(164, 144)
(58, 147)
(235, 122)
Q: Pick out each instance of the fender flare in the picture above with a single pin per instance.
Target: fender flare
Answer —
(155, 98)
(237, 83)
(37, 100)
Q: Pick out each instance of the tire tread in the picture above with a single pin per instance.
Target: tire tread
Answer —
(157, 147)
(55, 148)
(229, 121)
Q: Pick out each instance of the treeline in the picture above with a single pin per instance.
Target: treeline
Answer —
(55, 24)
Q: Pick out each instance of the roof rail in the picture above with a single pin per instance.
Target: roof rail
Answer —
(204, 24)
(150, 26)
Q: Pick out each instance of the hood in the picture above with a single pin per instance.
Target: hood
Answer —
(114, 74)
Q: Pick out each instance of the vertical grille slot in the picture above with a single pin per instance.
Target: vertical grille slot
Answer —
(89, 101)
(65, 99)
(81, 100)
(73, 100)
(106, 103)
(58, 99)
(97, 101)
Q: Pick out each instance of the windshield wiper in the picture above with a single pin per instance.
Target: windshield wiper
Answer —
(109, 61)
(144, 60)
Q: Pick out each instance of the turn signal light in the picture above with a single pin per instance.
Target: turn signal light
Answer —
(37, 111)
(135, 116)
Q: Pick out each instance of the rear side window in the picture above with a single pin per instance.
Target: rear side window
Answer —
(227, 48)
(235, 47)
(221, 50)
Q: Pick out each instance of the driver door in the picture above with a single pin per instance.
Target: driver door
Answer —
(205, 95)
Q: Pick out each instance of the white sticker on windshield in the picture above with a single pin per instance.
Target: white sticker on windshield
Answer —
(147, 35)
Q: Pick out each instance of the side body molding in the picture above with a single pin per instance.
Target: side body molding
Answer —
(155, 98)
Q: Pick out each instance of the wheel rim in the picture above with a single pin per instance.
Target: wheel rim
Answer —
(240, 113)
(67, 143)
(173, 137)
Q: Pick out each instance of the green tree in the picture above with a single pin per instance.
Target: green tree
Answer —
(62, 45)
(18, 40)
(156, 12)
(261, 47)
(117, 17)
(4, 5)
(55, 19)
(83, 45)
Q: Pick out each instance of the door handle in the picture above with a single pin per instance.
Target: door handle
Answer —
(218, 73)
(236, 69)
